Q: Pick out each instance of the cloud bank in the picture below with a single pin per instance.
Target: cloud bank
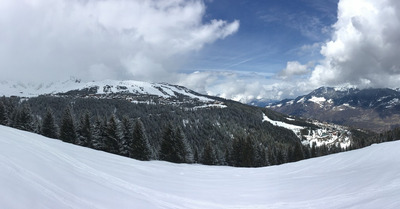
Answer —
(119, 39)
(365, 46)
(363, 51)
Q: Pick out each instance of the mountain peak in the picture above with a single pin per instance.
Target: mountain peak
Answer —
(373, 108)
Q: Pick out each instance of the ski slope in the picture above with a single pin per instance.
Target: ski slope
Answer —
(37, 172)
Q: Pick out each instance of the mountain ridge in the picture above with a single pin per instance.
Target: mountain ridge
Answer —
(376, 109)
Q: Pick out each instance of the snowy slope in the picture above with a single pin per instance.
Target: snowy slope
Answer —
(37, 172)
(9, 88)
(327, 134)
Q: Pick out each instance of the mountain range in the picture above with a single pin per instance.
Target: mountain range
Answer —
(202, 119)
(376, 109)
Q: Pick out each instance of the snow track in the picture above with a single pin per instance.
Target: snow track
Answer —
(38, 172)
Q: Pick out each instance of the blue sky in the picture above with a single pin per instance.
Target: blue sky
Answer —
(236, 49)
(270, 34)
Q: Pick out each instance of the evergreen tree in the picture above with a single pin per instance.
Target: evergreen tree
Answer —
(140, 146)
(184, 149)
(3, 114)
(127, 137)
(22, 118)
(260, 156)
(113, 134)
(99, 134)
(85, 130)
(49, 128)
(208, 155)
(168, 150)
(196, 156)
(297, 153)
(174, 147)
(243, 152)
(67, 128)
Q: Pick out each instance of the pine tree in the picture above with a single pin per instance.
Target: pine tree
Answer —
(140, 146)
(67, 128)
(295, 153)
(49, 128)
(99, 134)
(184, 149)
(85, 130)
(196, 156)
(127, 137)
(113, 134)
(22, 118)
(174, 147)
(243, 153)
(260, 156)
(168, 150)
(208, 155)
(3, 114)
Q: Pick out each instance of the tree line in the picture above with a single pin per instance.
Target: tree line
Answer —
(232, 136)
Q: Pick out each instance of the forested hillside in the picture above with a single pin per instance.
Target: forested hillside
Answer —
(230, 133)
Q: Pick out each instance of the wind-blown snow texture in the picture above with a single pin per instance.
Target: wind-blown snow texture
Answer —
(37, 172)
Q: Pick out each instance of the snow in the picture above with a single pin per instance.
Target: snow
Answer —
(392, 103)
(290, 102)
(9, 88)
(327, 134)
(301, 100)
(294, 128)
(210, 106)
(37, 172)
(318, 100)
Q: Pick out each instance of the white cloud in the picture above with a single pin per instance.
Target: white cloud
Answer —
(243, 86)
(365, 46)
(143, 40)
(294, 68)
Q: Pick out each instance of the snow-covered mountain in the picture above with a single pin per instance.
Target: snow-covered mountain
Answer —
(99, 88)
(374, 109)
(38, 172)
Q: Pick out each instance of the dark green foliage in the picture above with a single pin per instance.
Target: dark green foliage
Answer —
(260, 158)
(3, 114)
(168, 150)
(84, 131)
(296, 153)
(49, 128)
(256, 143)
(243, 153)
(113, 136)
(141, 148)
(22, 118)
(174, 147)
(196, 156)
(99, 134)
(127, 137)
(67, 127)
(208, 155)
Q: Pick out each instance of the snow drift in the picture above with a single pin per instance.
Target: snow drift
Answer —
(38, 172)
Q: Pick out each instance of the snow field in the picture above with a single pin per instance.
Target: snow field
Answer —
(38, 172)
